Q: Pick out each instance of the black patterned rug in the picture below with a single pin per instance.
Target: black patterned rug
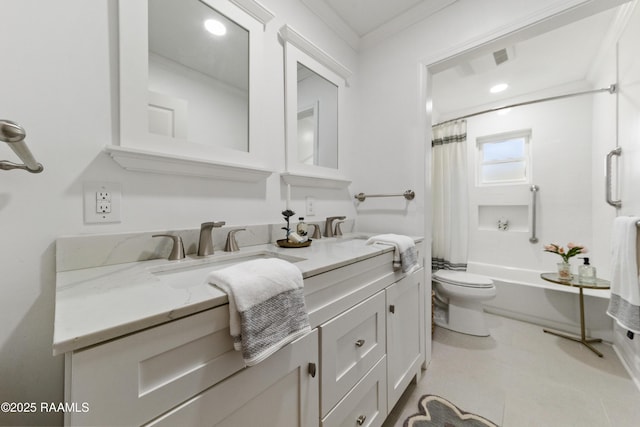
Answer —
(436, 411)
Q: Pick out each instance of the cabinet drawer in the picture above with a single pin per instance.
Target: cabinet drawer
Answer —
(365, 405)
(351, 344)
(133, 379)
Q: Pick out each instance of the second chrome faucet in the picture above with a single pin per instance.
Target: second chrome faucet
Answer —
(328, 225)
(205, 245)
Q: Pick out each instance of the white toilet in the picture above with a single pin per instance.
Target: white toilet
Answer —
(458, 302)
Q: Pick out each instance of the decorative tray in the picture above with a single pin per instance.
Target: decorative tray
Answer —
(284, 243)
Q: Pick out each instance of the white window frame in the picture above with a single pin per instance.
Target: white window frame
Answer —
(501, 137)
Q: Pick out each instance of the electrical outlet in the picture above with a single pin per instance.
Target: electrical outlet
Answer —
(102, 202)
(103, 207)
(310, 206)
(103, 196)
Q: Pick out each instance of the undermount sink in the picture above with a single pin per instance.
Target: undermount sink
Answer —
(190, 272)
(351, 240)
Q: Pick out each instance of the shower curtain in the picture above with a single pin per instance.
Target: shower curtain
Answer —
(450, 196)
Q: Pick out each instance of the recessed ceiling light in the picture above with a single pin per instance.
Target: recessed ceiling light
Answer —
(499, 88)
(215, 27)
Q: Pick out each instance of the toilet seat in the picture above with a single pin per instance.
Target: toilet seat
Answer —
(462, 278)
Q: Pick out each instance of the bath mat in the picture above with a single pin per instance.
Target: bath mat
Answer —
(436, 411)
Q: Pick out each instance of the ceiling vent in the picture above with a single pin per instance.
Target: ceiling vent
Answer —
(503, 55)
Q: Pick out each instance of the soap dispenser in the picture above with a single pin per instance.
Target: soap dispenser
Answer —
(587, 273)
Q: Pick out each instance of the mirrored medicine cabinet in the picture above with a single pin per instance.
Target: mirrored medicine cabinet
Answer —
(190, 88)
(314, 92)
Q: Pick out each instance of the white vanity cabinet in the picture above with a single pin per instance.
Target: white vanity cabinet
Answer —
(185, 372)
(367, 343)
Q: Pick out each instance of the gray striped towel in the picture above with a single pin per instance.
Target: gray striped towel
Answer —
(266, 306)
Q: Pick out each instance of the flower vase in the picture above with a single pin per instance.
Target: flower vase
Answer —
(564, 271)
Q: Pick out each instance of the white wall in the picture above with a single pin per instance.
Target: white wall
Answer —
(58, 76)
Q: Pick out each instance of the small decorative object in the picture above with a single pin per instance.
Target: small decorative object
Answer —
(564, 268)
(287, 213)
(293, 240)
(503, 224)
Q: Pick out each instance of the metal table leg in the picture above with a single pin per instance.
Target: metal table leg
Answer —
(583, 339)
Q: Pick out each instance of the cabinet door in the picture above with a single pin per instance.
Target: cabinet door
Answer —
(280, 391)
(405, 316)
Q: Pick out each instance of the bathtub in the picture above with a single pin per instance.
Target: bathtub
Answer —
(523, 295)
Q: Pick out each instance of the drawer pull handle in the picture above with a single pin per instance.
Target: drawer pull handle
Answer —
(359, 343)
(312, 370)
(392, 308)
(361, 419)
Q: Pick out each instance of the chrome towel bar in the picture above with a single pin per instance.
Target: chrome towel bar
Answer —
(409, 195)
(13, 134)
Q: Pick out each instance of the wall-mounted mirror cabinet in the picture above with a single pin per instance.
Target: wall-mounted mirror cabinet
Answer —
(190, 87)
(314, 92)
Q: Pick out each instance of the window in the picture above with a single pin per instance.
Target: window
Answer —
(503, 158)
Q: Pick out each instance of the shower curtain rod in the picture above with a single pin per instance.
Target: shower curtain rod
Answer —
(611, 89)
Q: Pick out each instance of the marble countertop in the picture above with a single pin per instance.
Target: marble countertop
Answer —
(101, 303)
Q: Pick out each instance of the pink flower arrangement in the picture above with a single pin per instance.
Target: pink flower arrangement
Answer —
(572, 250)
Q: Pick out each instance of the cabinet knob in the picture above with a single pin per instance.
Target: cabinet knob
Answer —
(359, 343)
(361, 419)
(392, 308)
(312, 370)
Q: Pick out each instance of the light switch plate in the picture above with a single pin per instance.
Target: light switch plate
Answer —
(310, 206)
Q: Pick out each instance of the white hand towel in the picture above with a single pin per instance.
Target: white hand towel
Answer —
(266, 305)
(405, 255)
(624, 305)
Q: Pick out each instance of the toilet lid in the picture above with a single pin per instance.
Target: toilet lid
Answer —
(462, 278)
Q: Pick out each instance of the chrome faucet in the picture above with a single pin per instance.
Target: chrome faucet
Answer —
(316, 231)
(338, 230)
(232, 244)
(205, 246)
(177, 250)
(328, 225)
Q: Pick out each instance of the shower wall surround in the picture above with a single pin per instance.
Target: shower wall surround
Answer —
(560, 150)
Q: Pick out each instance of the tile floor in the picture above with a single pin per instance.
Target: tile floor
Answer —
(522, 377)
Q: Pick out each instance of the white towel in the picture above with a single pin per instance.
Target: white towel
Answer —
(405, 255)
(266, 306)
(624, 305)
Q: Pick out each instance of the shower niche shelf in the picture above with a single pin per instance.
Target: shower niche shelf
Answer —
(503, 218)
